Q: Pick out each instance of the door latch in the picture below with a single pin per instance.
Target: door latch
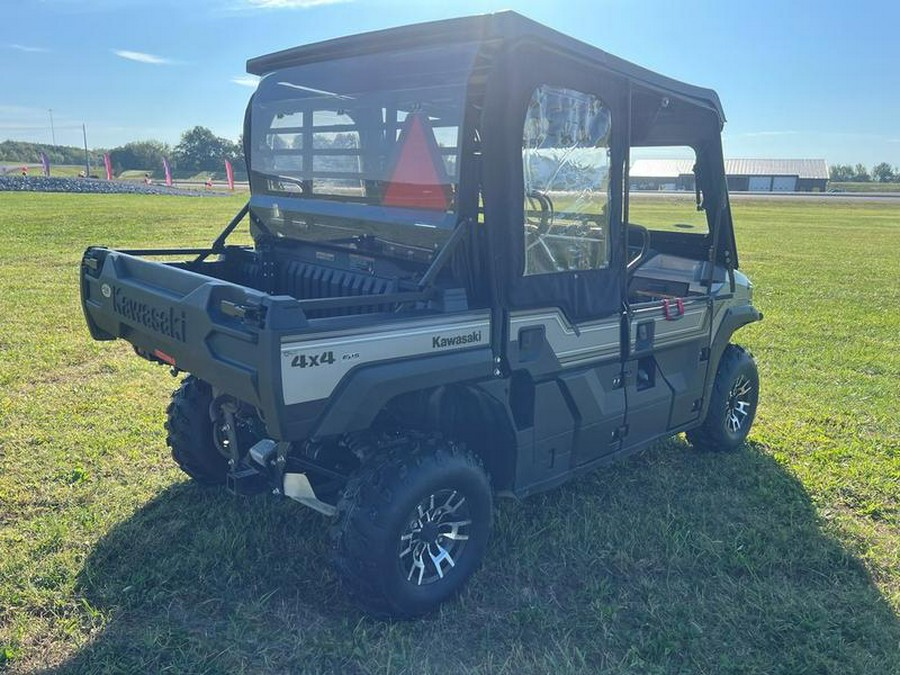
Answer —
(247, 313)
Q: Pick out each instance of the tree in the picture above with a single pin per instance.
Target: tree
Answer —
(841, 172)
(860, 174)
(238, 158)
(201, 150)
(30, 153)
(883, 173)
(142, 155)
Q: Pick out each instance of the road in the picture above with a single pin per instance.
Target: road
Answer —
(823, 197)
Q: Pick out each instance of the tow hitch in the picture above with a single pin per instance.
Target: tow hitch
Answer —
(264, 468)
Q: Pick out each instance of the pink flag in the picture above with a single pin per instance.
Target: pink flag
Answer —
(229, 172)
(45, 164)
(108, 162)
(168, 172)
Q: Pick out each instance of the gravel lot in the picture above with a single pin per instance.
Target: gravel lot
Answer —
(92, 185)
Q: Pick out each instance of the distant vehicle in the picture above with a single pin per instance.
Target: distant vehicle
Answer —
(447, 299)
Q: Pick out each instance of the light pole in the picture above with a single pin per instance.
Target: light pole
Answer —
(87, 161)
(52, 130)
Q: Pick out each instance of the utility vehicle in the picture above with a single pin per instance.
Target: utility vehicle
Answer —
(455, 291)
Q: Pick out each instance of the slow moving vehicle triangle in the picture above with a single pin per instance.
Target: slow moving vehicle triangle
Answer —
(418, 179)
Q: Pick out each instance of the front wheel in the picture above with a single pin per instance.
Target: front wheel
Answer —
(412, 526)
(732, 404)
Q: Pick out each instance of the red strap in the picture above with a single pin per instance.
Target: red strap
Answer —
(679, 308)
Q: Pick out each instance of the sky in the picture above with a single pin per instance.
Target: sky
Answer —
(797, 78)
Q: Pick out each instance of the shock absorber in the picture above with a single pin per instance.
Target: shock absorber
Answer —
(222, 412)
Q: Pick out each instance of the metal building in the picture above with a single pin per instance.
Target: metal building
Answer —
(753, 175)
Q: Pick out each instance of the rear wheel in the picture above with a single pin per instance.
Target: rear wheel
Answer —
(190, 433)
(732, 404)
(412, 526)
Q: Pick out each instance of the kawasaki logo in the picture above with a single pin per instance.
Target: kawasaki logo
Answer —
(440, 342)
(169, 321)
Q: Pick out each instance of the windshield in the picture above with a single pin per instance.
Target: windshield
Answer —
(361, 146)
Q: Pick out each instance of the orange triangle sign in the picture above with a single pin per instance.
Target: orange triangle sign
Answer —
(418, 179)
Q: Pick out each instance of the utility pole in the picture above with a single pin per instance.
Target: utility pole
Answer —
(87, 161)
(52, 130)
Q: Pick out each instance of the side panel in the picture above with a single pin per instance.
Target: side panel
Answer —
(338, 381)
(312, 368)
(664, 375)
(598, 397)
(570, 345)
(567, 391)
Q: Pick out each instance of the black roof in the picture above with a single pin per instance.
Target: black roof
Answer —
(500, 26)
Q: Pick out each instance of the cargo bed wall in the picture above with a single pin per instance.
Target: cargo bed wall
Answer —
(162, 309)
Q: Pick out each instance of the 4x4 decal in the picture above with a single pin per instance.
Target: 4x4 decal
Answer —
(313, 360)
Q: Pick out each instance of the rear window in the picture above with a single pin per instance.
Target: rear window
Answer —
(382, 129)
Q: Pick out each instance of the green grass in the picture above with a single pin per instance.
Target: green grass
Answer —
(870, 186)
(671, 212)
(781, 558)
(71, 170)
(56, 170)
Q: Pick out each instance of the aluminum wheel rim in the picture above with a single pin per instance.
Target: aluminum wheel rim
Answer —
(432, 543)
(738, 407)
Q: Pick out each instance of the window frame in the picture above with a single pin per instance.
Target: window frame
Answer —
(602, 217)
(689, 191)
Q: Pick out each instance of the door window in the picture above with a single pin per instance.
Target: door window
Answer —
(565, 155)
(662, 193)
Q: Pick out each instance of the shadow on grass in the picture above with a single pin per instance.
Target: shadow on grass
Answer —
(674, 561)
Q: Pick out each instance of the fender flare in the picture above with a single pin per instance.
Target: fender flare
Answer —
(364, 391)
(735, 318)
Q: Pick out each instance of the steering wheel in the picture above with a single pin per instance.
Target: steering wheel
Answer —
(535, 233)
(635, 262)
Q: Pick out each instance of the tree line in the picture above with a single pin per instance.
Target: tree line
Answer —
(30, 153)
(198, 150)
(880, 173)
(201, 150)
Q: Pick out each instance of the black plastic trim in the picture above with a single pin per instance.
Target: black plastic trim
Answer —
(735, 318)
(365, 391)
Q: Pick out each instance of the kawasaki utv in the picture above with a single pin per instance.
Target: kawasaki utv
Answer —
(456, 291)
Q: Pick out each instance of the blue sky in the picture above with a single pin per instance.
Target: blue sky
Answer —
(797, 78)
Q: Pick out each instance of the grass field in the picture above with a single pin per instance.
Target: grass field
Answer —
(56, 170)
(871, 186)
(781, 558)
